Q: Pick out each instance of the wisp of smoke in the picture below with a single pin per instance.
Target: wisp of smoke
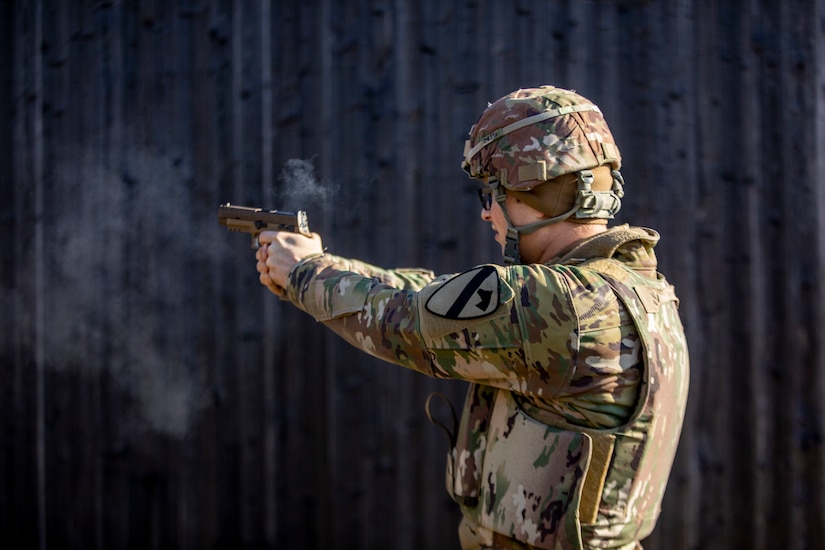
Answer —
(300, 187)
(120, 265)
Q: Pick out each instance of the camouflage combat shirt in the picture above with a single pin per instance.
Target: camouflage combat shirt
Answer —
(579, 375)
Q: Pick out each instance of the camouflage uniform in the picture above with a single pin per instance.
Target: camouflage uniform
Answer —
(578, 371)
(578, 366)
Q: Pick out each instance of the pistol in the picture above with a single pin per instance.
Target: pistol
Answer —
(255, 220)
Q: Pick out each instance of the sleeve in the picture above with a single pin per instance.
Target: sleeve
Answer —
(372, 308)
(472, 326)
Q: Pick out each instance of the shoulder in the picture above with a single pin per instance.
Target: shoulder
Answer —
(490, 290)
(471, 294)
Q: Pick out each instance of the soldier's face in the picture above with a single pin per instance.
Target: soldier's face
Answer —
(520, 214)
(495, 217)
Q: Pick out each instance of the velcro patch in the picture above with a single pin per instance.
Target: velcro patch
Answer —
(472, 294)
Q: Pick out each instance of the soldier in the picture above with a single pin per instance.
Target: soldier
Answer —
(574, 349)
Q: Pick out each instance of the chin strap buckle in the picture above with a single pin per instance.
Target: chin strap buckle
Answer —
(511, 254)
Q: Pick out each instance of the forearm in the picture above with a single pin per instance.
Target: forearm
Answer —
(373, 309)
(320, 271)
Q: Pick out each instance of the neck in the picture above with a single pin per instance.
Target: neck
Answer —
(554, 240)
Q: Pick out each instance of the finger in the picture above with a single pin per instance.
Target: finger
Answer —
(271, 262)
(270, 284)
(261, 253)
(267, 237)
(266, 280)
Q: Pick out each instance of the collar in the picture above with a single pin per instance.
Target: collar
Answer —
(607, 244)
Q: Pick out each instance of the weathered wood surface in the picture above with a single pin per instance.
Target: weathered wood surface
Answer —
(155, 396)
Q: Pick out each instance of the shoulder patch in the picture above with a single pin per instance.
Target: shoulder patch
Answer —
(471, 294)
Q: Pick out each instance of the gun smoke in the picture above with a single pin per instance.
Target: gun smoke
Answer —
(125, 251)
(301, 190)
(121, 257)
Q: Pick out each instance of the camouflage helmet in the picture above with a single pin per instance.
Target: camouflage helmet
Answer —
(551, 149)
(538, 134)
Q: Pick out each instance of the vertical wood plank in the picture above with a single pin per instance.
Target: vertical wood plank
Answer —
(10, 441)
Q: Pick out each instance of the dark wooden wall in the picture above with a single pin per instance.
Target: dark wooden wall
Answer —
(153, 395)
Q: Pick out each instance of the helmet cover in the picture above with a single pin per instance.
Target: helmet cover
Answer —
(537, 134)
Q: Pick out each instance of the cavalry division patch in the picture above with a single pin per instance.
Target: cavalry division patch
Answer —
(472, 294)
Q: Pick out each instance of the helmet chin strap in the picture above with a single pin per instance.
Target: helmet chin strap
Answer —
(511, 252)
(589, 204)
(511, 248)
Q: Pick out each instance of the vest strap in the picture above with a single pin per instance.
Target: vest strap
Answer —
(451, 433)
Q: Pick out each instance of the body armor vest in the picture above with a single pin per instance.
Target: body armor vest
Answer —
(524, 472)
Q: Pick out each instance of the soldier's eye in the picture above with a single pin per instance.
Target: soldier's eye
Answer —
(486, 199)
